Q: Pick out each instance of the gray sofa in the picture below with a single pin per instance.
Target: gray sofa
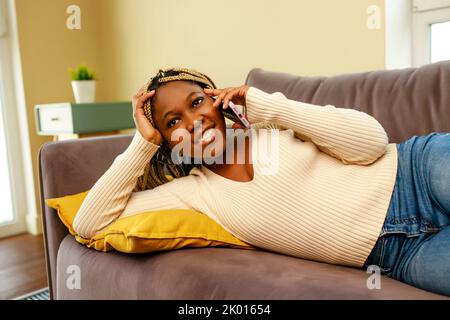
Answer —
(407, 102)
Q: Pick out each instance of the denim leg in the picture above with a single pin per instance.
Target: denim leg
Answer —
(425, 262)
(420, 198)
(437, 169)
(414, 246)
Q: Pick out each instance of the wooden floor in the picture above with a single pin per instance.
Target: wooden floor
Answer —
(22, 265)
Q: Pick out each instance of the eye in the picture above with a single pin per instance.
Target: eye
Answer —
(171, 123)
(197, 101)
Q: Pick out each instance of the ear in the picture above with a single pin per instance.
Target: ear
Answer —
(237, 126)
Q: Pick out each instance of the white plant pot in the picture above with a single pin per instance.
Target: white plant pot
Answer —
(84, 91)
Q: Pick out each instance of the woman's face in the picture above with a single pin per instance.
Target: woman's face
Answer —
(183, 105)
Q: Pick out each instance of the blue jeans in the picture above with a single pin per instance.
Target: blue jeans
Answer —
(414, 244)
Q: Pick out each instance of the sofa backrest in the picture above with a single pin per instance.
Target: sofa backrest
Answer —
(407, 102)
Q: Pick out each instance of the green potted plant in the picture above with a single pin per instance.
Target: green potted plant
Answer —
(83, 84)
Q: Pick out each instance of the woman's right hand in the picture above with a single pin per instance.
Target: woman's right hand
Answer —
(143, 125)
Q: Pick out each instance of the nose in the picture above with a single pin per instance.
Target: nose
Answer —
(194, 121)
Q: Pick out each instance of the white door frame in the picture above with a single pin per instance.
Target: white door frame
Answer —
(398, 34)
(407, 36)
(426, 13)
(422, 34)
(16, 129)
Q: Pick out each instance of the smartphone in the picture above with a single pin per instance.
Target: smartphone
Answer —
(233, 112)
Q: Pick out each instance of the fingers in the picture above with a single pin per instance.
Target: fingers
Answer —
(235, 94)
(139, 101)
(212, 92)
(144, 96)
(220, 96)
(143, 88)
(219, 93)
(229, 97)
(140, 92)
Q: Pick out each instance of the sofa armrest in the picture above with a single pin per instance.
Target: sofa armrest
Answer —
(69, 167)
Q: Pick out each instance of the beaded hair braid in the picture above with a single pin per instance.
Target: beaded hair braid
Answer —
(154, 173)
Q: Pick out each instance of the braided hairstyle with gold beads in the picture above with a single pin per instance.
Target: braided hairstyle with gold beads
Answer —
(154, 173)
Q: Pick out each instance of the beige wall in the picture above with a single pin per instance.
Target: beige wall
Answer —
(48, 49)
(226, 38)
(126, 42)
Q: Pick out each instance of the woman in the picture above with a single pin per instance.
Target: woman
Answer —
(336, 192)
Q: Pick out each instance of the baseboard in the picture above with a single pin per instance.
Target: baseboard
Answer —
(34, 224)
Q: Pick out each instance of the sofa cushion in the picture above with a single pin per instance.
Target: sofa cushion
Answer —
(214, 273)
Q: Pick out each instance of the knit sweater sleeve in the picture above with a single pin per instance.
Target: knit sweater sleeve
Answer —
(112, 194)
(349, 135)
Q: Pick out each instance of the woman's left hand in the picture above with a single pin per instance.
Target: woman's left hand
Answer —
(235, 94)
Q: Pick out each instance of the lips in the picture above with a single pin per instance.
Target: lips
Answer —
(204, 136)
(208, 136)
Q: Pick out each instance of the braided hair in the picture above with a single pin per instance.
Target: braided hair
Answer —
(154, 173)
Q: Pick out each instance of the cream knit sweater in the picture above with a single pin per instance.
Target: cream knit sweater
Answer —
(324, 198)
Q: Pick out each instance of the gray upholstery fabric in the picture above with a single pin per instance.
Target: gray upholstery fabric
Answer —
(407, 102)
(69, 167)
(215, 273)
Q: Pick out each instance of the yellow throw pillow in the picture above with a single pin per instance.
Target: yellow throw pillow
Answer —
(149, 231)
